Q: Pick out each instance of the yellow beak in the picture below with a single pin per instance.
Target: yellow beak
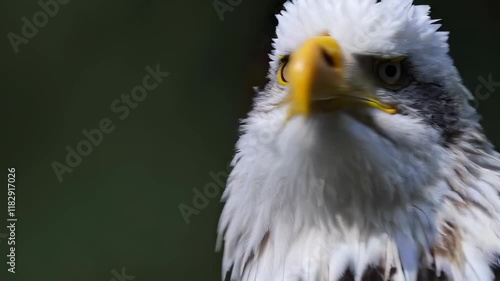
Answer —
(316, 79)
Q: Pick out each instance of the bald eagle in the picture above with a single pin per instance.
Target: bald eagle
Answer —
(362, 158)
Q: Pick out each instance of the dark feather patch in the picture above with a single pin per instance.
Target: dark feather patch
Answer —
(434, 105)
(376, 274)
(496, 268)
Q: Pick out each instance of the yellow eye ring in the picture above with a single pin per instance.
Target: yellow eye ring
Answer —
(281, 71)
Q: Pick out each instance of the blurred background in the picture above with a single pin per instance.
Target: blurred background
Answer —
(118, 210)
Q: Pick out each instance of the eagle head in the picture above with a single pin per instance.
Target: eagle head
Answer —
(361, 153)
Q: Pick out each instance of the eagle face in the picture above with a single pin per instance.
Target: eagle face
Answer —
(361, 158)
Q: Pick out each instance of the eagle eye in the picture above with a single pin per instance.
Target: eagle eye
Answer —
(282, 71)
(390, 72)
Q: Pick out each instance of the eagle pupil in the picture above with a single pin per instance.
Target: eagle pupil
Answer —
(391, 71)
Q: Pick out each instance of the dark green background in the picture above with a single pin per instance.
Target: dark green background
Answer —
(119, 207)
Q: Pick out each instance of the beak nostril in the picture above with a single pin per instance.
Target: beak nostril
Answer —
(327, 58)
